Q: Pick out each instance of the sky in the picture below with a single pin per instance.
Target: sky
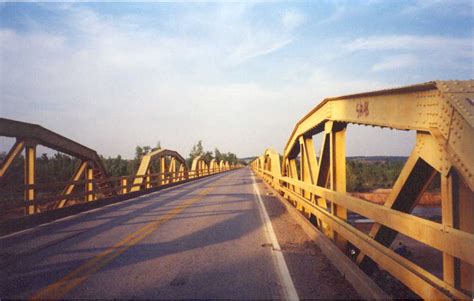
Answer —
(237, 76)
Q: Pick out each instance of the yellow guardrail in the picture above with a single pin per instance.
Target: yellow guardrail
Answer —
(442, 114)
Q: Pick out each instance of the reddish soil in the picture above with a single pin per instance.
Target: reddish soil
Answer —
(379, 196)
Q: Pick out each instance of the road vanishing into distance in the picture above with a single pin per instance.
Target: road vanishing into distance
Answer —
(224, 236)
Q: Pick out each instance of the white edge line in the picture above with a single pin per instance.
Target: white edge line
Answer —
(284, 273)
(78, 215)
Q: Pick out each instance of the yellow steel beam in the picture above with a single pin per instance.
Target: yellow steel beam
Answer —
(447, 239)
(123, 184)
(195, 166)
(419, 280)
(442, 113)
(27, 131)
(70, 187)
(29, 174)
(11, 156)
(145, 166)
(213, 165)
(221, 165)
(90, 184)
(443, 108)
(272, 160)
(172, 177)
(162, 171)
(423, 283)
(338, 177)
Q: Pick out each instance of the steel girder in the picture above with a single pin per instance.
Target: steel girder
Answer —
(442, 114)
(176, 170)
(28, 136)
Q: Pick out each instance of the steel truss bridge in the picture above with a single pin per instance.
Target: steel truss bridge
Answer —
(165, 189)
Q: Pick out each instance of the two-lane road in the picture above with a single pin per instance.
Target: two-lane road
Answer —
(199, 240)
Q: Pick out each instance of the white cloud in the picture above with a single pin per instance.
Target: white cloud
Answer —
(112, 84)
(458, 7)
(401, 51)
(461, 46)
(396, 62)
(292, 19)
(126, 86)
(248, 41)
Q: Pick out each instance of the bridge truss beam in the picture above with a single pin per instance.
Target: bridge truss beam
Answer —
(442, 114)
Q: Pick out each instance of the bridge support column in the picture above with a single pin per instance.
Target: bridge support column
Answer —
(29, 174)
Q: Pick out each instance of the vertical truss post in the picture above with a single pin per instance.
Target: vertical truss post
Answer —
(148, 179)
(180, 172)
(323, 174)
(309, 163)
(172, 171)
(123, 184)
(457, 211)
(292, 171)
(186, 174)
(89, 184)
(162, 170)
(304, 167)
(29, 174)
(338, 176)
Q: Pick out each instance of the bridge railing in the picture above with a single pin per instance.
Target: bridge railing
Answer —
(118, 186)
(442, 115)
(90, 181)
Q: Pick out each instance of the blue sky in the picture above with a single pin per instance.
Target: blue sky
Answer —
(236, 75)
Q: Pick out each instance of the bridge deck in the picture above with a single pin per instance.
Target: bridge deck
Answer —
(204, 239)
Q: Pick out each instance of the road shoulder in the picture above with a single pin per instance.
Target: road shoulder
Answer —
(312, 272)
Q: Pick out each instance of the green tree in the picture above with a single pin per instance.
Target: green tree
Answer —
(197, 150)
(217, 154)
(207, 156)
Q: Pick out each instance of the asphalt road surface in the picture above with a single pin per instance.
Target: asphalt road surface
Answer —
(211, 238)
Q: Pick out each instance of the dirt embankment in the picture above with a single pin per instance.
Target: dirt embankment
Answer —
(379, 196)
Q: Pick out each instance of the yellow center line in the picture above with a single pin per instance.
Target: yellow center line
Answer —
(61, 287)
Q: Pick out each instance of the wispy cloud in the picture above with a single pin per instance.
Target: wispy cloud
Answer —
(463, 46)
(250, 41)
(113, 70)
(193, 72)
(401, 51)
(396, 62)
(457, 7)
